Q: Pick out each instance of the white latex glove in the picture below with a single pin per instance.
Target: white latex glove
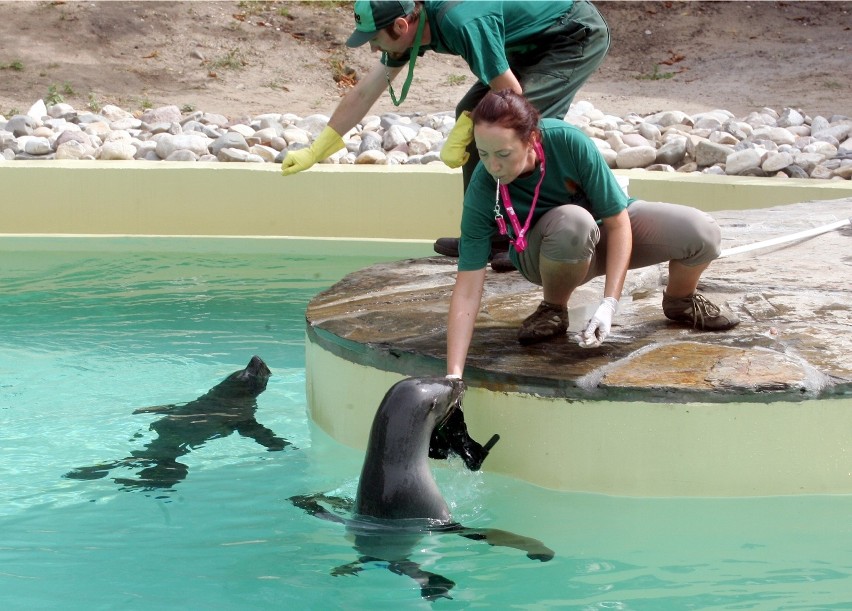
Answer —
(598, 328)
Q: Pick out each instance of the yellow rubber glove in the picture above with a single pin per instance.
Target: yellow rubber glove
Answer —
(326, 144)
(454, 152)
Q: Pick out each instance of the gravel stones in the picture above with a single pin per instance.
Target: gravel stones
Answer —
(766, 142)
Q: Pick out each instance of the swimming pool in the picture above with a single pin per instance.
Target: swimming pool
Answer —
(91, 333)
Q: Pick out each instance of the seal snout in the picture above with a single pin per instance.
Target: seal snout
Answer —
(258, 368)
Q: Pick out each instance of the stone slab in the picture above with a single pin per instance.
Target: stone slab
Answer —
(794, 342)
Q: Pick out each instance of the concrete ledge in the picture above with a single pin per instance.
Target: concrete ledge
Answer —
(658, 409)
(327, 201)
(625, 448)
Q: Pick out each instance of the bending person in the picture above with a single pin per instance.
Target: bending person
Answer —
(568, 221)
(545, 50)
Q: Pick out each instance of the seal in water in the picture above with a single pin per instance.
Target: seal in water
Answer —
(227, 407)
(398, 500)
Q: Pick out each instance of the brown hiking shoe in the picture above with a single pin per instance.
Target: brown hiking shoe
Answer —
(547, 322)
(501, 263)
(699, 312)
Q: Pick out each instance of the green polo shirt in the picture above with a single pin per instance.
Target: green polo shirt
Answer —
(575, 173)
(484, 32)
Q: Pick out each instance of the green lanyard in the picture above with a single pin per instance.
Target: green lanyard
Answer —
(414, 51)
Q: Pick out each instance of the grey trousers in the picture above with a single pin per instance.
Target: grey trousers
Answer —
(566, 55)
(661, 232)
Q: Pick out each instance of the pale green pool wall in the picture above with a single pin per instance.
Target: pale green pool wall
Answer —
(362, 202)
(623, 448)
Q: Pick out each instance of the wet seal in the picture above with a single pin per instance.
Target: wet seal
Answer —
(226, 408)
(398, 501)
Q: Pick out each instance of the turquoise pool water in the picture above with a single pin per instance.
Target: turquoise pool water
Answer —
(91, 333)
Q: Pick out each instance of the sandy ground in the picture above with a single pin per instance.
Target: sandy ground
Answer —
(251, 57)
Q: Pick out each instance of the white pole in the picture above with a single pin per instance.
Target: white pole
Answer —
(801, 235)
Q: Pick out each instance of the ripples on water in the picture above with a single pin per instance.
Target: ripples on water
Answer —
(86, 338)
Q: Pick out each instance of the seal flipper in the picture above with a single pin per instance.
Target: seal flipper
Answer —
(252, 429)
(94, 471)
(432, 585)
(535, 549)
(310, 503)
(158, 409)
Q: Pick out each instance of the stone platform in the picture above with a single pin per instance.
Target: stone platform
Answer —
(658, 409)
(794, 342)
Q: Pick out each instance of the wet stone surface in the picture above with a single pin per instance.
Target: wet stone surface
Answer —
(794, 341)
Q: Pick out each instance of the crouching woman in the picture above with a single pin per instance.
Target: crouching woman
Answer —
(544, 184)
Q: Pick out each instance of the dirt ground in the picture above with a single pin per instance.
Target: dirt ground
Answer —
(244, 58)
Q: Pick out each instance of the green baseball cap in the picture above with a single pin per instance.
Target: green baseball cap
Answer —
(372, 16)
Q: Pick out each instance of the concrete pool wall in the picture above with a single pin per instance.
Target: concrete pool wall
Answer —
(624, 448)
(329, 201)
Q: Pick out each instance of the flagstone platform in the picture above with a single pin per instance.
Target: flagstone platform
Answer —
(794, 344)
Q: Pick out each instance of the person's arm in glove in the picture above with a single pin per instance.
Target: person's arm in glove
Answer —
(598, 328)
(326, 144)
(618, 250)
(349, 111)
(454, 152)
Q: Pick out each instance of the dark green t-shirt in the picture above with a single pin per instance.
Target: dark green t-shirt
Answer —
(484, 32)
(575, 173)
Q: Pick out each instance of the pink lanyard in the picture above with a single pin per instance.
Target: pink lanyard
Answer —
(520, 241)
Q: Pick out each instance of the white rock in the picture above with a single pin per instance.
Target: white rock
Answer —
(97, 128)
(777, 161)
(721, 137)
(37, 111)
(61, 110)
(610, 157)
(296, 135)
(267, 153)
(117, 150)
(672, 152)
(114, 113)
(163, 114)
(34, 145)
(740, 161)
(709, 153)
(232, 154)
(126, 123)
(419, 146)
(395, 136)
(635, 157)
(169, 143)
(669, 117)
(650, 131)
(821, 173)
(246, 131)
(615, 140)
(182, 155)
(117, 135)
(72, 149)
(371, 156)
(635, 140)
(313, 124)
(778, 135)
(822, 148)
(790, 117)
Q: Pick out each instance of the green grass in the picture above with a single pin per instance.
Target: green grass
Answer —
(53, 96)
(16, 65)
(655, 75)
(232, 60)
